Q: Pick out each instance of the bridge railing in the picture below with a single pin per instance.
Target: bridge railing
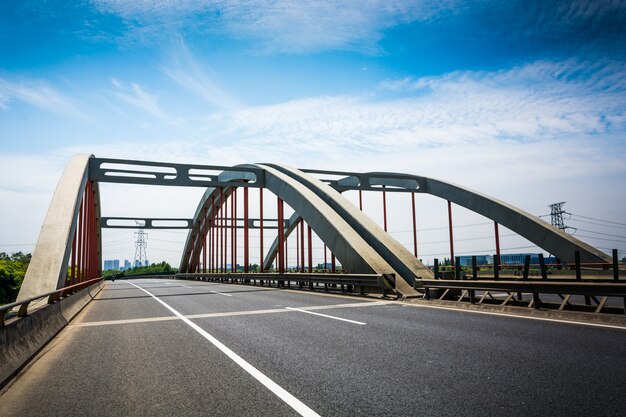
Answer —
(600, 286)
(52, 297)
(527, 269)
(383, 282)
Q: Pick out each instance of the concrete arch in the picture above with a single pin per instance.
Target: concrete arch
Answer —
(529, 226)
(47, 270)
(394, 253)
(351, 250)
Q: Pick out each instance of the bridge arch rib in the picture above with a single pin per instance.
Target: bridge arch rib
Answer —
(531, 227)
(75, 195)
(305, 190)
(354, 252)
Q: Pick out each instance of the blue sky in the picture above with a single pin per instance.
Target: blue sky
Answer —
(523, 100)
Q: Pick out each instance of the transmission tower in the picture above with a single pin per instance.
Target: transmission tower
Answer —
(140, 247)
(556, 216)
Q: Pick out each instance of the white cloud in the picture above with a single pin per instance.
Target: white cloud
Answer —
(184, 69)
(138, 97)
(536, 104)
(39, 94)
(279, 26)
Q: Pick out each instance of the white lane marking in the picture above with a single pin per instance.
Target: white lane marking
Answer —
(326, 315)
(230, 314)
(124, 321)
(185, 286)
(518, 316)
(221, 293)
(279, 391)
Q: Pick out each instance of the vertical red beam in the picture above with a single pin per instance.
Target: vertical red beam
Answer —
(497, 233)
(262, 268)
(221, 232)
(212, 235)
(214, 231)
(298, 246)
(246, 242)
(451, 235)
(92, 221)
(414, 225)
(204, 245)
(96, 237)
(224, 232)
(233, 231)
(287, 251)
(87, 230)
(81, 262)
(302, 245)
(333, 269)
(310, 248)
(384, 208)
(210, 243)
(281, 237)
(360, 200)
(73, 259)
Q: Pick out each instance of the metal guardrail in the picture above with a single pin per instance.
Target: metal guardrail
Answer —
(383, 281)
(53, 296)
(602, 289)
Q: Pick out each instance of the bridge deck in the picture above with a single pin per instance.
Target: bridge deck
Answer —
(128, 354)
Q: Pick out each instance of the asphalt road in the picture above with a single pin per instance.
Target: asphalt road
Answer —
(180, 348)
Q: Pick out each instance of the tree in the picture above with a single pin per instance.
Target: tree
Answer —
(12, 271)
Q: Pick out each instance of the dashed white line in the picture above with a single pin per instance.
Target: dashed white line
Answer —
(185, 286)
(221, 293)
(279, 391)
(327, 316)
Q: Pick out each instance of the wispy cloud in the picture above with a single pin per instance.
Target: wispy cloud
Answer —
(40, 94)
(279, 26)
(531, 104)
(184, 69)
(138, 97)
(293, 26)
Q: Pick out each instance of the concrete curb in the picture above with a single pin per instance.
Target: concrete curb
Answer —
(23, 338)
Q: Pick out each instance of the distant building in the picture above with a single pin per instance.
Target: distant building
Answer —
(127, 264)
(110, 264)
(480, 260)
(506, 259)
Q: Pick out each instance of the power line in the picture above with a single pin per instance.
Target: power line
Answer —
(440, 228)
(600, 233)
(599, 220)
(598, 224)
(602, 238)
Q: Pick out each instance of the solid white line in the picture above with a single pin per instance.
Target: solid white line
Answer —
(519, 316)
(326, 315)
(279, 391)
(221, 293)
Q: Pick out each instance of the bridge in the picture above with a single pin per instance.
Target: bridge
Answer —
(376, 333)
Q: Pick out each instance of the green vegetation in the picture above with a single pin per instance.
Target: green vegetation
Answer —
(12, 270)
(155, 269)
